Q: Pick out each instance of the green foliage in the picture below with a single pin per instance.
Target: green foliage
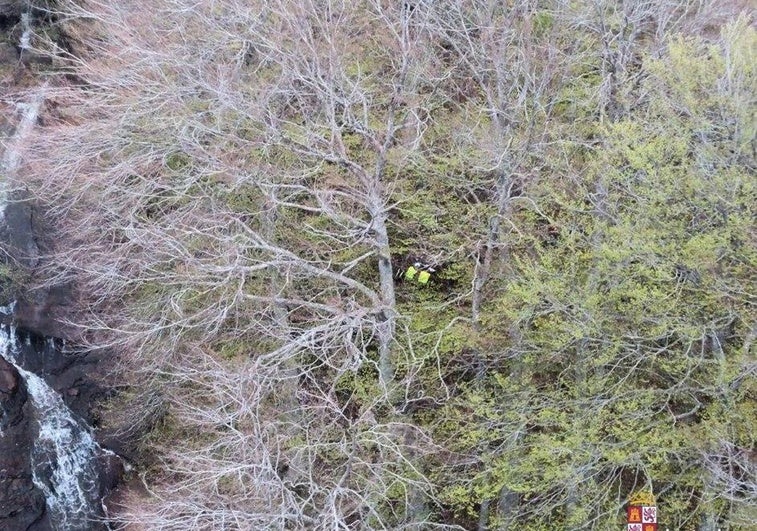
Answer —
(615, 319)
(587, 332)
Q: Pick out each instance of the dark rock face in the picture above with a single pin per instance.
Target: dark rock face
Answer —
(8, 53)
(22, 233)
(10, 15)
(37, 318)
(8, 379)
(12, 9)
(22, 505)
(72, 374)
(15, 16)
(18, 233)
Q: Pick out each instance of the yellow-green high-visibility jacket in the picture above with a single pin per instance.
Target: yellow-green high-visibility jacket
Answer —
(410, 273)
(423, 277)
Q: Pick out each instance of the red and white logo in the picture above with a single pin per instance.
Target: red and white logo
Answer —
(642, 518)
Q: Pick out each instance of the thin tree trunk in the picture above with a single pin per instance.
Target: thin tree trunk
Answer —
(504, 189)
(386, 292)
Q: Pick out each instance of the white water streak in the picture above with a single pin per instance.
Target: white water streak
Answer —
(26, 25)
(11, 160)
(64, 454)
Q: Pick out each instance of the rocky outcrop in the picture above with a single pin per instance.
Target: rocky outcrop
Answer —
(41, 337)
(8, 53)
(18, 234)
(17, 40)
(10, 16)
(74, 374)
(12, 9)
(22, 505)
(22, 235)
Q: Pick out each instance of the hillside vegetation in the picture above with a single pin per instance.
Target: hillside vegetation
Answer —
(240, 186)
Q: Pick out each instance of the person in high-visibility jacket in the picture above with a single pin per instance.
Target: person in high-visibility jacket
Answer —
(419, 272)
(412, 271)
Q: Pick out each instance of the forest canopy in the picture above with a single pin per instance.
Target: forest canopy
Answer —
(241, 185)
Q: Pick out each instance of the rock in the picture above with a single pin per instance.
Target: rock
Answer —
(8, 378)
(12, 398)
(8, 54)
(17, 232)
(22, 505)
(42, 311)
(12, 9)
(24, 237)
(17, 18)
(74, 374)
(111, 469)
(38, 317)
(65, 371)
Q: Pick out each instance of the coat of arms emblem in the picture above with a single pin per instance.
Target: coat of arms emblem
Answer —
(642, 512)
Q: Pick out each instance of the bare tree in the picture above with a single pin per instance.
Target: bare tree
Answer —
(227, 177)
